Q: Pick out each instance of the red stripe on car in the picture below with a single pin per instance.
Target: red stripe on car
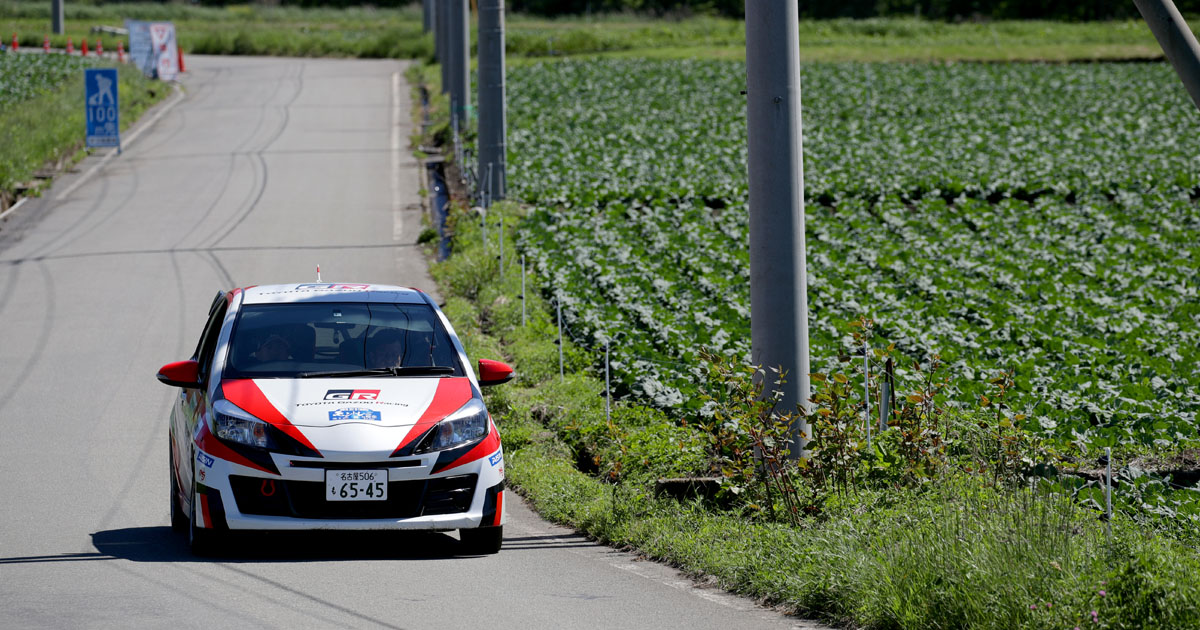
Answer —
(499, 507)
(246, 395)
(451, 394)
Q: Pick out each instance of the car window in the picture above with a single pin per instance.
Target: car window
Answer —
(208, 324)
(208, 341)
(283, 340)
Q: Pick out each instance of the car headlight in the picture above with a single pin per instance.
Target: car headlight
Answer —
(467, 425)
(246, 431)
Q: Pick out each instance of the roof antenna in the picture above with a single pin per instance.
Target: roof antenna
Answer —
(318, 272)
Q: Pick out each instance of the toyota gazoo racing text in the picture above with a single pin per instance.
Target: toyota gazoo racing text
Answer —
(333, 406)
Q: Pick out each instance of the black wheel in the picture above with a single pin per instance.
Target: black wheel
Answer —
(201, 541)
(482, 540)
(179, 520)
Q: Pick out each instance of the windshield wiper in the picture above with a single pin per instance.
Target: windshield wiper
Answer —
(400, 370)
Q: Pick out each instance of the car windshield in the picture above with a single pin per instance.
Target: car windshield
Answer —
(340, 339)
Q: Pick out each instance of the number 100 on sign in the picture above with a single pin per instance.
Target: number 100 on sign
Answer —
(102, 107)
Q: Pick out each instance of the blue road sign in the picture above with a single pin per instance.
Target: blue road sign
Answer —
(103, 124)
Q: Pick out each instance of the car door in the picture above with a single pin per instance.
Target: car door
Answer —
(192, 403)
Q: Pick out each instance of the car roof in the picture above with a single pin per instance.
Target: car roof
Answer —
(331, 292)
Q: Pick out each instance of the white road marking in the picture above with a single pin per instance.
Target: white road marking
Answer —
(125, 142)
(397, 210)
(13, 208)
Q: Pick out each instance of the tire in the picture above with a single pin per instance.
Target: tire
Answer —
(202, 542)
(482, 540)
(179, 521)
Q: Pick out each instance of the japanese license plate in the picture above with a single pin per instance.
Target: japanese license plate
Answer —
(356, 485)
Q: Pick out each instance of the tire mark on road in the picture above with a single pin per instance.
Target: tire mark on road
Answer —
(212, 206)
(11, 278)
(16, 262)
(222, 272)
(312, 598)
(101, 218)
(42, 339)
(213, 603)
(286, 119)
(145, 458)
(262, 109)
(82, 218)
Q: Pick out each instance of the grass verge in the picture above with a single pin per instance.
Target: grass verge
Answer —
(955, 552)
(46, 131)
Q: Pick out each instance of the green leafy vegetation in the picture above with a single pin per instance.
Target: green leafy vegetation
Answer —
(42, 116)
(1030, 219)
(935, 525)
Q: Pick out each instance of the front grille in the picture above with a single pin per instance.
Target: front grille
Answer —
(306, 499)
(391, 463)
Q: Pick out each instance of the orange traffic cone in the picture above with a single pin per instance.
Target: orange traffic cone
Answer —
(120, 51)
(83, 47)
(70, 46)
(99, 48)
(46, 44)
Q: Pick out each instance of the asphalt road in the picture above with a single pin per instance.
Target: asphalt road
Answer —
(257, 172)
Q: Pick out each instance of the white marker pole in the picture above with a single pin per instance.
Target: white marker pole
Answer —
(558, 309)
(607, 388)
(867, 389)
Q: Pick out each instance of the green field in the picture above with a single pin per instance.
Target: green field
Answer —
(1032, 218)
(382, 32)
(1035, 220)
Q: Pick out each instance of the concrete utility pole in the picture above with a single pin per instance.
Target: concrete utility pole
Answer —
(460, 60)
(492, 116)
(426, 16)
(442, 23)
(1176, 40)
(58, 22)
(778, 272)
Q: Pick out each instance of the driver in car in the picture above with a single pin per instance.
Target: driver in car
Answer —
(273, 348)
(387, 349)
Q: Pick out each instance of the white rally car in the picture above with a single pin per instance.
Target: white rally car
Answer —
(333, 406)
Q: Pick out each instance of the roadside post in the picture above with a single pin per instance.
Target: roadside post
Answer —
(460, 62)
(441, 22)
(492, 115)
(778, 272)
(58, 22)
(102, 109)
(426, 16)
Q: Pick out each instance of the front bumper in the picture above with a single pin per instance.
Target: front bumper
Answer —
(241, 498)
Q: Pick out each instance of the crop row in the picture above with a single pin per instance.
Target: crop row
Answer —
(1024, 217)
(25, 76)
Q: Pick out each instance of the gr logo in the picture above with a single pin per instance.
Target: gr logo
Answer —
(352, 394)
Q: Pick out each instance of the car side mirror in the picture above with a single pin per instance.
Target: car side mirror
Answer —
(181, 374)
(494, 373)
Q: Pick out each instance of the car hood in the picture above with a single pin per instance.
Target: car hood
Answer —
(384, 402)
